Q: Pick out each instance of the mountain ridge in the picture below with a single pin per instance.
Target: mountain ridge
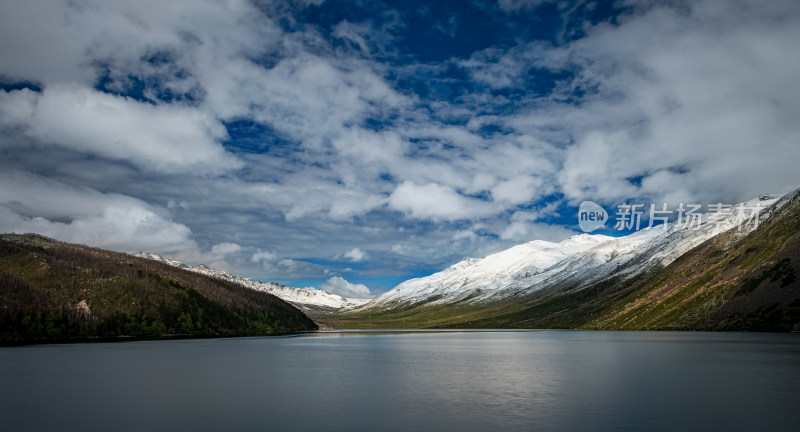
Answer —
(522, 268)
(308, 299)
(577, 291)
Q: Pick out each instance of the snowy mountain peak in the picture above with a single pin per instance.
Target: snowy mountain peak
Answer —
(301, 297)
(573, 263)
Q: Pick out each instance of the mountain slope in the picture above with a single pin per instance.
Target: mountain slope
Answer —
(58, 291)
(727, 284)
(594, 275)
(578, 261)
(308, 299)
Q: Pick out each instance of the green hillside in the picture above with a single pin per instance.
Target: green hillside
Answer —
(53, 291)
(724, 284)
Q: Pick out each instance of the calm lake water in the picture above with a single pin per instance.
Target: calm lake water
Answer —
(400, 381)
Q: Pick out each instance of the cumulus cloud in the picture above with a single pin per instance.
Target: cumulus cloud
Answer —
(146, 124)
(276, 267)
(271, 261)
(597, 167)
(308, 97)
(692, 95)
(517, 190)
(355, 255)
(339, 286)
(435, 202)
(162, 138)
(82, 215)
(51, 41)
(225, 248)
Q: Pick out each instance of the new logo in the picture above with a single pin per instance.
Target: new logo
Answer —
(591, 216)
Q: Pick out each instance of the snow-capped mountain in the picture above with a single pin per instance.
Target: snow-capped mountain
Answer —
(302, 297)
(572, 264)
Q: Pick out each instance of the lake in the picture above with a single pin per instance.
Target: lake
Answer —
(400, 381)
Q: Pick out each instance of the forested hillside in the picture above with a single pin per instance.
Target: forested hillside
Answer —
(53, 291)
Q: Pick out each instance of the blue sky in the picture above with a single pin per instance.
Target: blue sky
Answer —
(352, 145)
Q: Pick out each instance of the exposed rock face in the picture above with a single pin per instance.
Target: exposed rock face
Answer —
(82, 309)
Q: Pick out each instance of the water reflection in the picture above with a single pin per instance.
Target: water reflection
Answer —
(400, 380)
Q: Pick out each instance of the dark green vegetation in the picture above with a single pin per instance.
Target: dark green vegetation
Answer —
(726, 283)
(53, 291)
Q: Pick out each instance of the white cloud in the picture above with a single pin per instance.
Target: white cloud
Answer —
(352, 203)
(308, 97)
(162, 138)
(436, 202)
(226, 248)
(517, 190)
(339, 286)
(691, 104)
(597, 167)
(400, 249)
(354, 33)
(263, 256)
(716, 96)
(470, 234)
(355, 255)
(524, 228)
(86, 216)
(694, 93)
(274, 266)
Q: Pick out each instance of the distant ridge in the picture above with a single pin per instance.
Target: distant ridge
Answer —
(304, 298)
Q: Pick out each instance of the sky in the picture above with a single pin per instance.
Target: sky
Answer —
(351, 145)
